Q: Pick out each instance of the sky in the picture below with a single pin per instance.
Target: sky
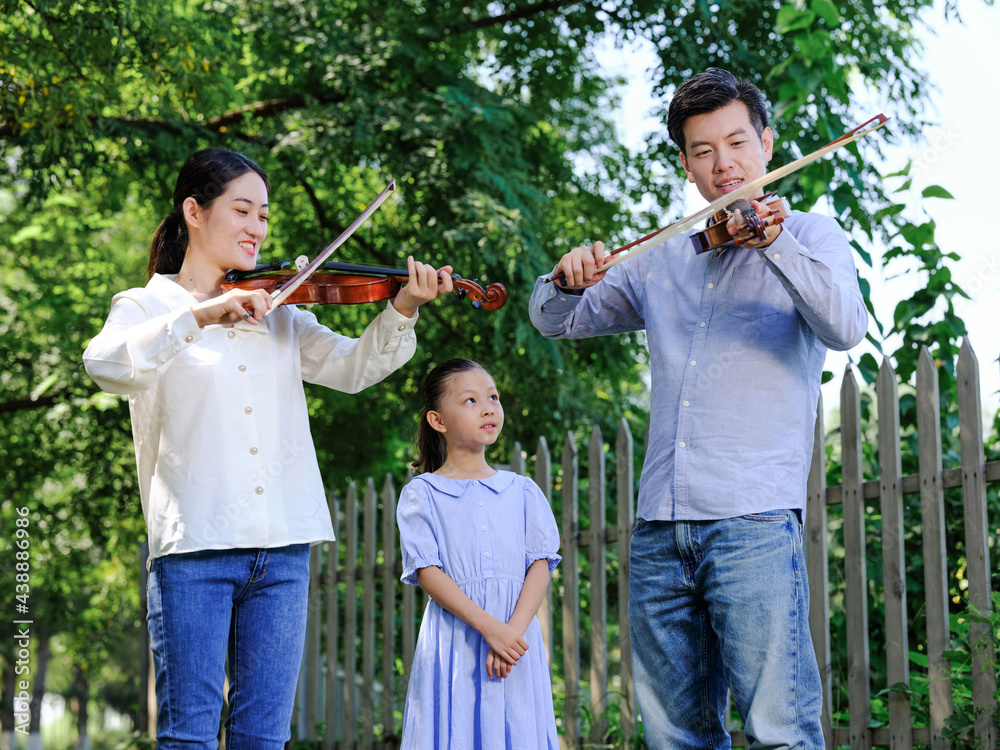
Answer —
(963, 62)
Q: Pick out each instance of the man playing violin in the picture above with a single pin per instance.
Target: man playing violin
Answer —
(737, 336)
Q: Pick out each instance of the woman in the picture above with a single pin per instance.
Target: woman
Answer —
(228, 477)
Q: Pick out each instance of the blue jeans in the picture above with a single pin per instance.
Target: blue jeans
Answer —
(717, 604)
(249, 602)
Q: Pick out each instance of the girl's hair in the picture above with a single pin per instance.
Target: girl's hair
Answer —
(431, 446)
(204, 177)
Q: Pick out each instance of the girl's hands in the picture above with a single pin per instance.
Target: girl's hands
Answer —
(235, 305)
(497, 666)
(422, 286)
(505, 641)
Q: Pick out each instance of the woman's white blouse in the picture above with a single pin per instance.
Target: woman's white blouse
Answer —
(222, 443)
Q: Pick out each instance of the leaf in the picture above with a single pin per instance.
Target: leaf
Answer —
(936, 191)
(827, 11)
(791, 18)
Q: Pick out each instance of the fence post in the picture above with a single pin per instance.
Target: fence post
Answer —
(977, 551)
(388, 609)
(312, 678)
(598, 585)
(855, 571)
(409, 623)
(626, 520)
(368, 619)
(350, 611)
(332, 611)
(935, 556)
(897, 645)
(818, 569)
(571, 593)
(543, 478)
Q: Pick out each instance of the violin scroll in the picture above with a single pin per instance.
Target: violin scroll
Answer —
(492, 297)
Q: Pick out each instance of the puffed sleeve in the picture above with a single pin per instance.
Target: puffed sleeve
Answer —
(417, 537)
(541, 535)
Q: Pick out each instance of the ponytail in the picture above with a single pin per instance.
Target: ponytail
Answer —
(166, 255)
(432, 448)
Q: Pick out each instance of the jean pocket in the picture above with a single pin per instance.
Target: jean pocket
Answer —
(639, 524)
(770, 516)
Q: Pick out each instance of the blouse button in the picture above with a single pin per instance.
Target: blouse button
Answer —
(777, 256)
(253, 451)
(248, 410)
(487, 554)
(401, 328)
(687, 403)
(480, 502)
(693, 362)
(189, 339)
(231, 334)
(475, 481)
(260, 490)
(484, 528)
(243, 368)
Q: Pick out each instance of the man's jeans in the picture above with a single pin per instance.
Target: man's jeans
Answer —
(717, 604)
(253, 603)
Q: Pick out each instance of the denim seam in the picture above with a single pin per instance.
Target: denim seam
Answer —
(163, 645)
(233, 682)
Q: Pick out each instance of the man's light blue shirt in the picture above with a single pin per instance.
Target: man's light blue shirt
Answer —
(737, 340)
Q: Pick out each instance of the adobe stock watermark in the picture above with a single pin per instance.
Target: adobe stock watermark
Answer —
(22, 625)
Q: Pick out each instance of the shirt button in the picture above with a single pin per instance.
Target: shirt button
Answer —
(702, 325)
(687, 403)
(253, 451)
(249, 410)
(562, 299)
(243, 368)
(401, 328)
(480, 502)
(487, 554)
(189, 339)
(231, 334)
(681, 444)
(710, 285)
(693, 362)
(484, 528)
(259, 490)
(777, 256)
(475, 481)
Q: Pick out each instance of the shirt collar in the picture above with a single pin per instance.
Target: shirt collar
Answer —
(164, 286)
(455, 487)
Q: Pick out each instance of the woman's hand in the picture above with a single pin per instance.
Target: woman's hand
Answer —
(237, 304)
(497, 666)
(425, 284)
(505, 640)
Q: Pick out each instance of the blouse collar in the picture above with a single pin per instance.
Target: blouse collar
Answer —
(455, 487)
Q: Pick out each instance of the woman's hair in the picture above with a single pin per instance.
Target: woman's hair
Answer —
(204, 177)
(432, 449)
(706, 92)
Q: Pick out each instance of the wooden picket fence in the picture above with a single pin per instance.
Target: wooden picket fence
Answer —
(364, 709)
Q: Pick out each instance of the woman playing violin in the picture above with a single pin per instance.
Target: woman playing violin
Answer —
(737, 339)
(229, 482)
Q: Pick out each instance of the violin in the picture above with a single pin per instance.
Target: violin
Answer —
(771, 210)
(351, 284)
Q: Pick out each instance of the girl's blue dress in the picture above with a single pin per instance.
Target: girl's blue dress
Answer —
(484, 533)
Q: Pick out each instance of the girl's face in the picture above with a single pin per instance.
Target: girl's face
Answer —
(470, 414)
(230, 232)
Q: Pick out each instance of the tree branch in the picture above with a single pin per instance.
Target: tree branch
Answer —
(519, 13)
(26, 404)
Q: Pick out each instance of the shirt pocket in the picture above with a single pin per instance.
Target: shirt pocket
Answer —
(751, 293)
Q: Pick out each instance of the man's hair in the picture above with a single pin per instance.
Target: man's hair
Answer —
(709, 91)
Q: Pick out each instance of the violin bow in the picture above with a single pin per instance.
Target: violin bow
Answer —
(298, 279)
(660, 236)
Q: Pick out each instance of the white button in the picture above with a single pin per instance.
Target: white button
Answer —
(484, 528)
(562, 299)
(189, 339)
(475, 481)
(777, 256)
(681, 444)
(710, 285)
(231, 334)
(487, 554)
(248, 409)
(260, 490)
(764, 258)
(702, 325)
(480, 502)
(253, 451)
(687, 403)
(401, 328)
(243, 368)
(693, 362)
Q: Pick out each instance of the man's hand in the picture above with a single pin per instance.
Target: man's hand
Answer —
(580, 267)
(737, 222)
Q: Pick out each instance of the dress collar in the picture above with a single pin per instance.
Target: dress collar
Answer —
(455, 487)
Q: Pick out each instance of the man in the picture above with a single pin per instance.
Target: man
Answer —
(737, 336)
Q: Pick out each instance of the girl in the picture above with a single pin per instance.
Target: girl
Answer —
(228, 477)
(482, 544)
